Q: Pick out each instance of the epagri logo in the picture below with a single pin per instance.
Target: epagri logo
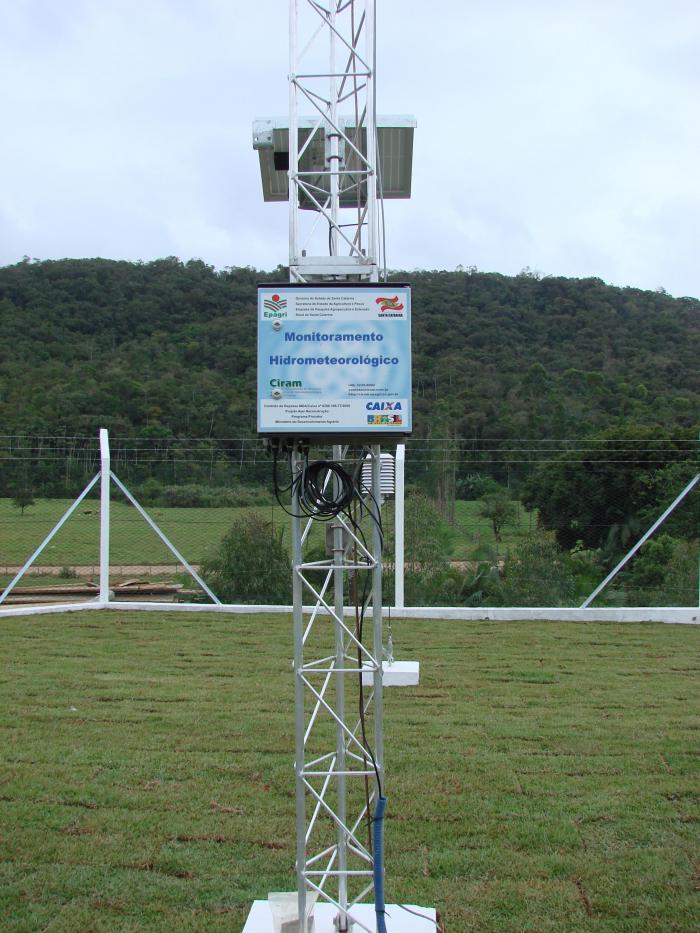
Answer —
(274, 307)
(389, 413)
(389, 307)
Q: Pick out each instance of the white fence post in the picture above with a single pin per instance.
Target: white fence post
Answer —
(104, 515)
(399, 464)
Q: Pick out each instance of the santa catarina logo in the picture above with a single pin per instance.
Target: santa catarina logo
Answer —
(274, 306)
(390, 307)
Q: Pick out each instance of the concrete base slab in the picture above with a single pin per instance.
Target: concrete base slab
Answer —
(397, 920)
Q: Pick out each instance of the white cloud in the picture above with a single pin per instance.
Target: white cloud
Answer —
(559, 136)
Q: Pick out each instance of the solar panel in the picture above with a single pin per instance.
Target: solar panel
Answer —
(395, 155)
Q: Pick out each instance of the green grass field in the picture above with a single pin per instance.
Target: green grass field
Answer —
(196, 532)
(543, 777)
(474, 533)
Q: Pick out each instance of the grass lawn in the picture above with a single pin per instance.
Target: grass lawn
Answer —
(195, 532)
(543, 777)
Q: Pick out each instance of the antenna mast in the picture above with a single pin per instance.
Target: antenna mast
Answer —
(335, 162)
(333, 237)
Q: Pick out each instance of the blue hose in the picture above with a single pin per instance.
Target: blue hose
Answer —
(378, 866)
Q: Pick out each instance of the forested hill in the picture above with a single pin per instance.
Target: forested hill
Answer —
(168, 349)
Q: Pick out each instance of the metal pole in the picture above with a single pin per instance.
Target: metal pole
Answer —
(298, 624)
(293, 146)
(333, 157)
(341, 789)
(296, 465)
(371, 130)
(104, 515)
(399, 555)
(378, 648)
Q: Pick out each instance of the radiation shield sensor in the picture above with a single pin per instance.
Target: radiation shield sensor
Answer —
(334, 360)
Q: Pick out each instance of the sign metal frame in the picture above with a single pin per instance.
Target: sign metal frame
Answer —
(334, 360)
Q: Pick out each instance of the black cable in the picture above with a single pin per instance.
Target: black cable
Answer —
(324, 490)
(321, 499)
(417, 913)
(361, 668)
(279, 490)
(358, 636)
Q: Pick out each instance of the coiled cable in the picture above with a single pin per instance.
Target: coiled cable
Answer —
(325, 489)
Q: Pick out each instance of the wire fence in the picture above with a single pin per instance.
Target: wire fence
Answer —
(488, 522)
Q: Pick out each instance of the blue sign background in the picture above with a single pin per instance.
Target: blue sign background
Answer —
(334, 359)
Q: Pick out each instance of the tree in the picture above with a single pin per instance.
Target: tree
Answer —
(22, 499)
(660, 489)
(499, 509)
(599, 494)
(650, 566)
(167, 348)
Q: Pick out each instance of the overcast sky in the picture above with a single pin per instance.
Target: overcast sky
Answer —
(560, 136)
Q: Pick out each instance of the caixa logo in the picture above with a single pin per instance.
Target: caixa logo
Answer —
(384, 413)
(383, 406)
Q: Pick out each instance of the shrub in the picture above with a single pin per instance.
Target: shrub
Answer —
(476, 485)
(252, 564)
(197, 496)
(663, 573)
(537, 573)
(148, 493)
(428, 545)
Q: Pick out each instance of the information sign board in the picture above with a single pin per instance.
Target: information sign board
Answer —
(334, 359)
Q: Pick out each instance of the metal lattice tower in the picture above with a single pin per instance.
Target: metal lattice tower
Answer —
(333, 156)
(337, 779)
(333, 236)
(335, 162)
